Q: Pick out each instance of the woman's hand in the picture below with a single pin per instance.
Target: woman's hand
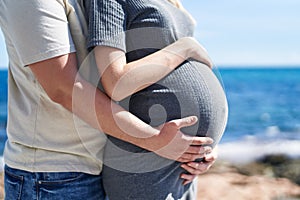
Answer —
(195, 50)
(196, 168)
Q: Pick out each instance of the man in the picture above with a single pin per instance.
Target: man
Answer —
(56, 118)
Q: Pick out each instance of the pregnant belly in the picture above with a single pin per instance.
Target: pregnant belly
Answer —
(191, 89)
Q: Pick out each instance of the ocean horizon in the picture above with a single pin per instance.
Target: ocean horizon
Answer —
(264, 111)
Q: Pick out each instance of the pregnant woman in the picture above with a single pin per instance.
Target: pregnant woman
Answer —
(122, 32)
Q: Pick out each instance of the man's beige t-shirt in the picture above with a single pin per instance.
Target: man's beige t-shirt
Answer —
(42, 135)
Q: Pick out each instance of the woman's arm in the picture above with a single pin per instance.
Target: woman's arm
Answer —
(121, 79)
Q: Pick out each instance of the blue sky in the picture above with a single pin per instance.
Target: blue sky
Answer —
(242, 33)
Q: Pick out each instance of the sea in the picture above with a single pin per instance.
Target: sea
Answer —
(264, 112)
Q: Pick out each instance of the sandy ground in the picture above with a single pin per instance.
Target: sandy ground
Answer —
(225, 182)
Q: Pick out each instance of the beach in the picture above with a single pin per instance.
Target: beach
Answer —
(252, 181)
(260, 180)
(259, 153)
(1, 186)
(248, 169)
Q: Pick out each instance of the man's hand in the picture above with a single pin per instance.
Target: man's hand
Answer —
(171, 143)
(196, 168)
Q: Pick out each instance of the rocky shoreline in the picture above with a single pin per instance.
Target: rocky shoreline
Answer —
(274, 177)
(1, 186)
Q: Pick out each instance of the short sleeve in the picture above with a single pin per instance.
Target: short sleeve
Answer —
(107, 24)
(39, 30)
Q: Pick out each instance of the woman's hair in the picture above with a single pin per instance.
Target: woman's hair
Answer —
(178, 4)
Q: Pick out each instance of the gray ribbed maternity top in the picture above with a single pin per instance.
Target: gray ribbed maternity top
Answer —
(139, 28)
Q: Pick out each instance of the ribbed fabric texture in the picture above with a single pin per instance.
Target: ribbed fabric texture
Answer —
(107, 24)
(115, 18)
(141, 27)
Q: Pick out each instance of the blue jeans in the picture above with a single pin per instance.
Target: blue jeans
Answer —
(25, 185)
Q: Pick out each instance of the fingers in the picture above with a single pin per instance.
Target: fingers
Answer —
(183, 159)
(211, 157)
(203, 57)
(197, 168)
(199, 150)
(184, 122)
(208, 62)
(201, 140)
(194, 152)
(198, 52)
(188, 178)
(194, 169)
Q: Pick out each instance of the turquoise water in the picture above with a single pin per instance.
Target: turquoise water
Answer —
(262, 98)
(263, 104)
(3, 107)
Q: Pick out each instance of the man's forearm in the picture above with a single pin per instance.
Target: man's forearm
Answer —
(100, 112)
(62, 83)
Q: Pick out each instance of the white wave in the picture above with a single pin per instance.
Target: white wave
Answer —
(252, 148)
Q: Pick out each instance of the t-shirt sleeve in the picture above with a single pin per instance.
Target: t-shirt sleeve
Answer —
(40, 31)
(107, 24)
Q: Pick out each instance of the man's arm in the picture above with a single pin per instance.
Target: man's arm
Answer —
(59, 78)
